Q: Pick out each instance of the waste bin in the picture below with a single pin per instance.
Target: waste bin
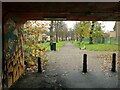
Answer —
(53, 46)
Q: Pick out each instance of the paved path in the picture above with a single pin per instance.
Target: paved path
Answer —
(64, 70)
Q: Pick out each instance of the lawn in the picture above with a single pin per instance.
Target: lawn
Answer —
(58, 45)
(98, 47)
(46, 45)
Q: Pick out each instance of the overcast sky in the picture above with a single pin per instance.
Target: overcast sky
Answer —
(109, 25)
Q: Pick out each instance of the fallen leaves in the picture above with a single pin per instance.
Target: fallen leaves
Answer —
(107, 61)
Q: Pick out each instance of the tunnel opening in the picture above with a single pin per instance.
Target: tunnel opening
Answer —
(14, 21)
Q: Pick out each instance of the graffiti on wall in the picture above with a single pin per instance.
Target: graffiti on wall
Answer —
(13, 53)
(10, 38)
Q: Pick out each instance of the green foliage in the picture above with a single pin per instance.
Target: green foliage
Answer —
(97, 31)
(102, 47)
(60, 44)
(33, 30)
(47, 45)
(60, 30)
(83, 29)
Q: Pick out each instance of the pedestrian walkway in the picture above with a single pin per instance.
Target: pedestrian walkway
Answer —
(64, 70)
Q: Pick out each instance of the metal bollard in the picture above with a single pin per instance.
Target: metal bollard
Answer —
(85, 63)
(113, 69)
(39, 65)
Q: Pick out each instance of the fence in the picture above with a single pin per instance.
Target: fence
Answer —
(106, 40)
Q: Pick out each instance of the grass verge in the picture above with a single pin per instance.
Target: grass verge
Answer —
(97, 47)
(58, 45)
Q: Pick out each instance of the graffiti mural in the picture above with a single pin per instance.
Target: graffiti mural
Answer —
(10, 38)
(13, 62)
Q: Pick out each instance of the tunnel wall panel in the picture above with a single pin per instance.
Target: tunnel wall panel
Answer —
(13, 53)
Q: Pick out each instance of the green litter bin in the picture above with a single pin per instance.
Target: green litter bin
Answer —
(54, 46)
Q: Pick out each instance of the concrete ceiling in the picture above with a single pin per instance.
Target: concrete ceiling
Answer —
(69, 10)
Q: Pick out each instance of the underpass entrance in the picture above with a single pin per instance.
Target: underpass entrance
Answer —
(16, 14)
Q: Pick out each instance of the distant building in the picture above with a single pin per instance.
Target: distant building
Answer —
(116, 32)
(106, 35)
(113, 34)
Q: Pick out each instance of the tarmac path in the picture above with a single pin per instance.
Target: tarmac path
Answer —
(64, 70)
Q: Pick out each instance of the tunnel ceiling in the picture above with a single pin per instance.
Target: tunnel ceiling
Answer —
(69, 10)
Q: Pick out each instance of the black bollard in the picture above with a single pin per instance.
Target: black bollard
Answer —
(85, 63)
(113, 63)
(39, 65)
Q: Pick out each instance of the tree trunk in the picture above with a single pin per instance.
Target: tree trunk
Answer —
(80, 38)
(90, 40)
(91, 32)
(56, 28)
(51, 32)
(62, 38)
(77, 38)
(66, 38)
(103, 40)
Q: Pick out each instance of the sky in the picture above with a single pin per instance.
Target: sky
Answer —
(109, 25)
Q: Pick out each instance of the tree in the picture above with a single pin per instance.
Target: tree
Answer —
(71, 34)
(91, 34)
(96, 31)
(51, 32)
(82, 29)
(99, 32)
(88, 29)
(61, 30)
(56, 27)
(33, 31)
